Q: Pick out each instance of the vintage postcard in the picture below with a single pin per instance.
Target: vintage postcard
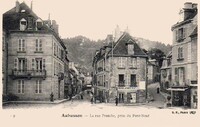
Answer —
(99, 63)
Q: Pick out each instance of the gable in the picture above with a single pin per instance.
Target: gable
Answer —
(121, 46)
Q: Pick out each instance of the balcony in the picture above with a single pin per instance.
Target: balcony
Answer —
(121, 84)
(21, 74)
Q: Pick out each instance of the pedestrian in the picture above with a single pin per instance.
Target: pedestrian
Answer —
(51, 97)
(158, 90)
(116, 100)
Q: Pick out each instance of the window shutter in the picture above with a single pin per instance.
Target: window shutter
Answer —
(184, 32)
(119, 61)
(33, 64)
(23, 45)
(176, 34)
(16, 64)
(22, 86)
(36, 45)
(26, 64)
(138, 62)
(19, 86)
(36, 87)
(40, 45)
(178, 52)
(181, 54)
(176, 74)
(44, 64)
(20, 45)
(40, 86)
(183, 71)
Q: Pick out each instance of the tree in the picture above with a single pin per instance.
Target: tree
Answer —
(157, 54)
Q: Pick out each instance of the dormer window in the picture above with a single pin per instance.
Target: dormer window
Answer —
(39, 24)
(23, 24)
(130, 47)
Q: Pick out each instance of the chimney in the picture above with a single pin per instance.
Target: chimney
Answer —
(189, 10)
(55, 26)
(17, 6)
(194, 5)
(188, 5)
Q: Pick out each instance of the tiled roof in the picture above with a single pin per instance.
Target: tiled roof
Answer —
(120, 47)
(11, 18)
(11, 21)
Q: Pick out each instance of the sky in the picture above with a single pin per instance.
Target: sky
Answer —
(149, 19)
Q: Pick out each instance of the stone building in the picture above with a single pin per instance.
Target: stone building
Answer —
(153, 71)
(35, 55)
(184, 58)
(4, 63)
(120, 71)
(166, 73)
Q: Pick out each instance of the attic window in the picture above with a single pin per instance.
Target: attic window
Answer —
(23, 24)
(130, 49)
(38, 24)
(23, 11)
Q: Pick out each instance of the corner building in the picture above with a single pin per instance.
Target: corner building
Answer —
(35, 55)
(184, 58)
(120, 69)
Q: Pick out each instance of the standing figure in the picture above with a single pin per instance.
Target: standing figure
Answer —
(116, 100)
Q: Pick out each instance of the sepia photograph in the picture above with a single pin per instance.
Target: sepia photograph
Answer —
(87, 59)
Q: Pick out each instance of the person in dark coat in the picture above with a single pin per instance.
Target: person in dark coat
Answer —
(116, 100)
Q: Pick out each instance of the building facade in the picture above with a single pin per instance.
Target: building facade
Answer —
(184, 60)
(166, 73)
(153, 71)
(35, 56)
(4, 63)
(120, 70)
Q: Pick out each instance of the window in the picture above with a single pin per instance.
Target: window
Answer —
(21, 45)
(121, 62)
(38, 88)
(38, 24)
(130, 49)
(20, 86)
(38, 64)
(57, 51)
(176, 75)
(22, 64)
(38, 45)
(180, 34)
(180, 75)
(23, 24)
(133, 80)
(121, 80)
(133, 62)
(180, 53)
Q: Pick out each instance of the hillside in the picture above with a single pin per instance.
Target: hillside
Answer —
(81, 49)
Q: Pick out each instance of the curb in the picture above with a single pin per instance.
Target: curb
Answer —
(35, 102)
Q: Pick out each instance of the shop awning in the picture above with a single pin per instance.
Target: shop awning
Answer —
(177, 89)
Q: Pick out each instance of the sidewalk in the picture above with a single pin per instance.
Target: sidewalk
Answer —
(36, 102)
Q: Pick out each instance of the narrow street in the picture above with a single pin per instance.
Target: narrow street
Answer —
(158, 98)
(77, 103)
